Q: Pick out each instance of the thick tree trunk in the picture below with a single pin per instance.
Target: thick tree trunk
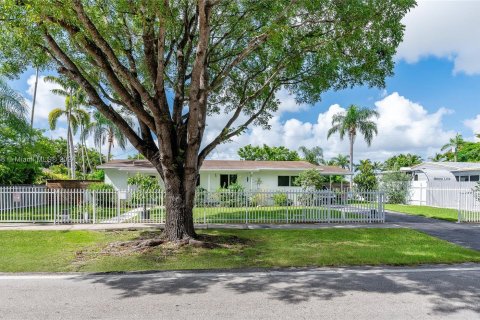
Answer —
(179, 208)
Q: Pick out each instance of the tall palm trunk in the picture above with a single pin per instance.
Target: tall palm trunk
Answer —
(71, 147)
(110, 144)
(352, 140)
(34, 99)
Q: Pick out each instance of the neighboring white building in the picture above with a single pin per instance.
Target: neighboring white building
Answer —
(445, 171)
(253, 175)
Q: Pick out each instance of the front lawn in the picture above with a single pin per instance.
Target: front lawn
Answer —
(57, 251)
(425, 211)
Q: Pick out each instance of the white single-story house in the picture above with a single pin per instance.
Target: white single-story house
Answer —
(445, 171)
(252, 175)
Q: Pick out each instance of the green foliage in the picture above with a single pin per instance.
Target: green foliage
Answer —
(105, 194)
(96, 175)
(402, 160)
(59, 169)
(137, 156)
(267, 153)
(201, 197)
(455, 144)
(311, 180)
(13, 107)
(232, 196)
(101, 186)
(144, 182)
(281, 200)
(366, 179)
(467, 152)
(22, 151)
(148, 189)
(396, 186)
(313, 155)
(341, 161)
(105, 131)
(355, 120)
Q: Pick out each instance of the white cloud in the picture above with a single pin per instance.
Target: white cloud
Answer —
(404, 126)
(444, 29)
(46, 100)
(474, 125)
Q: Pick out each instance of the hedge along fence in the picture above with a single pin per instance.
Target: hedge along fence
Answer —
(223, 206)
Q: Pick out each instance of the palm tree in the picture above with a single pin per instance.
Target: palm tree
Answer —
(76, 116)
(377, 166)
(314, 155)
(454, 143)
(438, 157)
(13, 108)
(104, 130)
(354, 120)
(341, 161)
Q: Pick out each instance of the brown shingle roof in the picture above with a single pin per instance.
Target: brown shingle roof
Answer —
(210, 165)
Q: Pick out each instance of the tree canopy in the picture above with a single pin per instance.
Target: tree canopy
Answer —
(267, 153)
(401, 160)
(177, 64)
(366, 179)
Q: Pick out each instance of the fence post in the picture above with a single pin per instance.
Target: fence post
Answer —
(205, 196)
(118, 205)
(55, 213)
(94, 206)
(459, 206)
(246, 213)
(329, 208)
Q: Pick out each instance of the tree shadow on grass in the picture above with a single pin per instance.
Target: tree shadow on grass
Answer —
(449, 292)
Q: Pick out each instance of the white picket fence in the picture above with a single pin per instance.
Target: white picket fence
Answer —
(246, 207)
(460, 196)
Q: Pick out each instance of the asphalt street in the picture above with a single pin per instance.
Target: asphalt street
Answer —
(436, 292)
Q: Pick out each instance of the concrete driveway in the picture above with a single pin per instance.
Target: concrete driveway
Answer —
(467, 235)
(394, 293)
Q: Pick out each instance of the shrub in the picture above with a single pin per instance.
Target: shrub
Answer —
(281, 200)
(148, 190)
(396, 186)
(105, 195)
(233, 196)
(96, 175)
(259, 200)
(100, 186)
(201, 197)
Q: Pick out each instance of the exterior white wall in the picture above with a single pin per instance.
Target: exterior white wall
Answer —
(118, 178)
(210, 180)
(256, 180)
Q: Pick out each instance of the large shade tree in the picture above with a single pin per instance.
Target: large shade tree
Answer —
(176, 64)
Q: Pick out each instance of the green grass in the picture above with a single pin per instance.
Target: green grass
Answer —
(429, 212)
(56, 251)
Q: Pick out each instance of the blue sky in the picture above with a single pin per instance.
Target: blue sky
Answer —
(434, 93)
